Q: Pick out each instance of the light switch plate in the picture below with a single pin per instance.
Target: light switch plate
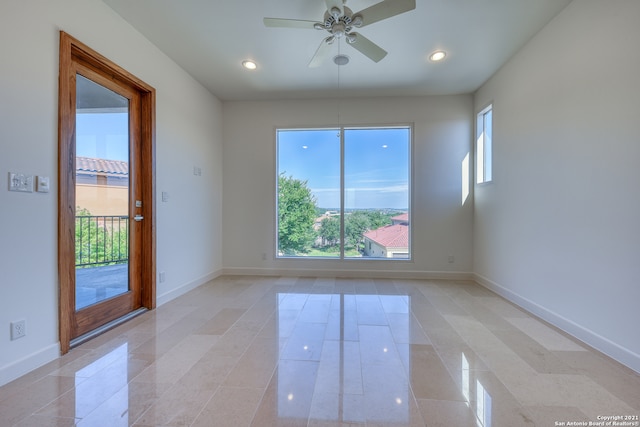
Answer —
(43, 184)
(20, 182)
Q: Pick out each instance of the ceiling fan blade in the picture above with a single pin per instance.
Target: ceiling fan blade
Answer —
(368, 48)
(288, 23)
(335, 3)
(385, 9)
(321, 54)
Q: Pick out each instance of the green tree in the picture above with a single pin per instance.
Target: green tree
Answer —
(355, 225)
(296, 215)
(378, 219)
(119, 239)
(90, 238)
(329, 230)
(99, 241)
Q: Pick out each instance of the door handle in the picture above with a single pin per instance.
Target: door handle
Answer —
(138, 217)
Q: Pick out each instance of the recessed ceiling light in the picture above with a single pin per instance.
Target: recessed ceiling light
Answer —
(438, 55)
(249, 65)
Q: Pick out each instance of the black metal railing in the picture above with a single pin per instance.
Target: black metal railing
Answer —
(101, 240)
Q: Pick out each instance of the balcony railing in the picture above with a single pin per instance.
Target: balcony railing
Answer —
(101, 240)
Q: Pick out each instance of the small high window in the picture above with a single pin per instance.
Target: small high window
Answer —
(484, 147)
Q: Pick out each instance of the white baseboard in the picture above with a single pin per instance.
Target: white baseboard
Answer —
(28, 363)
(175, 293)
(350, 274)
(589, 337)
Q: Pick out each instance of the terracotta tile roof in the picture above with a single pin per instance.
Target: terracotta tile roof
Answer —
(402, 217)
(390, 236)
(110, 167)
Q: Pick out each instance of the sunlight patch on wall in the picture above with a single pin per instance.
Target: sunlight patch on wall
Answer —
(465, 178)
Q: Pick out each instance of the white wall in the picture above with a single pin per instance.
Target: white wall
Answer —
(558, 230)
(188, 134)
(441, 225)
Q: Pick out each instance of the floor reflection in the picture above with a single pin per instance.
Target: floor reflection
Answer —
(105, 379)
(483, 405)
(342, 362)
(272, 352)
(480, 394)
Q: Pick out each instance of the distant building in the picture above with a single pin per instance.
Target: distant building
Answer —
(390, 241)
(102, 186)
(402, 219)
(328, 214)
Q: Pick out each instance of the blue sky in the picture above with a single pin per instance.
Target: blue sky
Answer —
(376, 160)
(376, 165)
(103, 136)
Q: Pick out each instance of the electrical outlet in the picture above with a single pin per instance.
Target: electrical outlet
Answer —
(162, 277)
(451, 259)
(18, 329)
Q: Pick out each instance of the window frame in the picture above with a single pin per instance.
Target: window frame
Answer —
(341, 131)
(484, 146)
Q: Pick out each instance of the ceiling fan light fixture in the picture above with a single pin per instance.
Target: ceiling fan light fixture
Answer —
(249, 64)
(338, 29)
(340, 21)
(437, 56)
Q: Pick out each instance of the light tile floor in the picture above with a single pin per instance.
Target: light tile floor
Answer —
(259, 351)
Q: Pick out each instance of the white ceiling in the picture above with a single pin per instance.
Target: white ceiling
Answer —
(211, 38)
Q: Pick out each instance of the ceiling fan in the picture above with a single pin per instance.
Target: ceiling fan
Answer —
(339, 21)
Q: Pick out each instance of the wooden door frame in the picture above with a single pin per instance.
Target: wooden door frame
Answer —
(74, 52)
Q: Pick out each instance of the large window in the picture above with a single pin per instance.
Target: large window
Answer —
(484, 145)
(344, 192)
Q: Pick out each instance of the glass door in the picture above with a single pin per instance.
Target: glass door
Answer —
(102, 193)
(106, 207)
(108, 204)
(106, 219)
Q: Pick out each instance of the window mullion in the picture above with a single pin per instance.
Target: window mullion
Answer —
(342, 229)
